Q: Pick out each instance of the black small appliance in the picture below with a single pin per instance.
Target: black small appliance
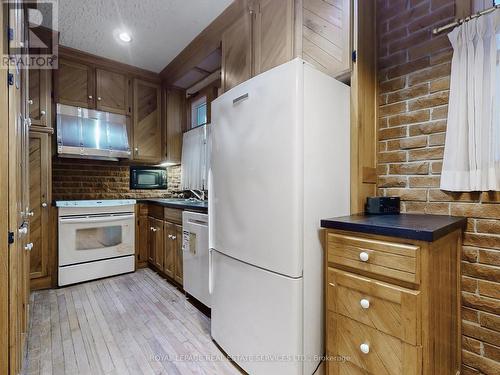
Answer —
(142, 177)
(382, 205)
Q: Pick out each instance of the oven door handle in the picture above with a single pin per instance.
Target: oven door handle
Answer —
(90, 219)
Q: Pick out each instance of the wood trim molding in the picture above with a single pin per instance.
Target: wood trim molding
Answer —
(105, 63)
(205, 43)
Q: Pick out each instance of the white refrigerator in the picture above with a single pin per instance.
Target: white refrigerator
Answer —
(279, 163)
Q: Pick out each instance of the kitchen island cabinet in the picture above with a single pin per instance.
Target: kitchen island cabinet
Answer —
(392, 288)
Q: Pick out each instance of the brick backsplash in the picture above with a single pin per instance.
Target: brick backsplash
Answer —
(414, 78)
(74, 179)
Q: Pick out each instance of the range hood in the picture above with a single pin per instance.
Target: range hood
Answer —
(88, 134)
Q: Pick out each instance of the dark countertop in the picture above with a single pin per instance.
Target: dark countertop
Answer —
(412, 226)
(179, 203)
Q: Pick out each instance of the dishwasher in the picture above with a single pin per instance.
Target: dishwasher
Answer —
(195, 256)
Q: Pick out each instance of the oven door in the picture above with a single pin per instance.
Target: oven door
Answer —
(93, 237)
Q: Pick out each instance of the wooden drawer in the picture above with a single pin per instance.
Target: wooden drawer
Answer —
(388, 308)
(387, 355)
(173, 215)
(389, 259)
(155, 211)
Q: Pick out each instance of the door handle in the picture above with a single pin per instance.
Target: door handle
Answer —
(240, 98)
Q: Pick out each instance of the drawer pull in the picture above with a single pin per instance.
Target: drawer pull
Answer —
(364, 256)
(364, 303)
(365, 348)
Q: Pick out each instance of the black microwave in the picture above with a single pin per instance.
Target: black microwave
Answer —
(148, 177)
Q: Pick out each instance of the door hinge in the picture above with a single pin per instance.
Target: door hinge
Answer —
(11, 238)
(10, 79)
(354, 56)
(10, 33)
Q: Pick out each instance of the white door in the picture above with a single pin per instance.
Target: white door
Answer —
(256, 171)
(257, 317)
(195, 255)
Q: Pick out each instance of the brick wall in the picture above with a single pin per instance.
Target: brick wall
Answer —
(414, 76)
(74, 179)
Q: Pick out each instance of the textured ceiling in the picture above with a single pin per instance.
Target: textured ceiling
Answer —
(160, 29)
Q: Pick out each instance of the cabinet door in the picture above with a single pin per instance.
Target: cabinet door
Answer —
(237, 52)
(175, 103)
(142, 234)
(158, 241)
(151, 241)
(40, 88)
(326, 35)
(39, 169)
(273, 34)
(177, 244)
(169, 268)
(111, 91)
(75, 84)
(147, 122)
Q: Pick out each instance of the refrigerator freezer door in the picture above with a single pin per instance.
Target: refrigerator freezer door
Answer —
(257, 317)
(256, 171)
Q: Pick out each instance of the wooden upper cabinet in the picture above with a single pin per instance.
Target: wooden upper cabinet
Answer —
(111, 92)
(273, 34)
(147, 121)
(40, 89)
(326, 35)
(39, 169)
(237, 52)
(75, 84)
(175, 103)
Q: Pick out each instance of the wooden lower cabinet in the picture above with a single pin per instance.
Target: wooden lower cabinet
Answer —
(142, 235)
(169, 249)
(173, 251)
(40, 181)
(392, 304)
(164, 244)
(156, 242)
(177, 244)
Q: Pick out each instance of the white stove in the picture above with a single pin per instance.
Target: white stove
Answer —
(96, 239)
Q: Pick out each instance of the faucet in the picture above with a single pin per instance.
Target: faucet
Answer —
(199, 194)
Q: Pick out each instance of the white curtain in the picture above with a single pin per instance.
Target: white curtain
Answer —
(472, 148)
(195, 159)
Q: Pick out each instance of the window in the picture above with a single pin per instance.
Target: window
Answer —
(199, 112)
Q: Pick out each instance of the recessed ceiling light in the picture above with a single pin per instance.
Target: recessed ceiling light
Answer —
(125, 37)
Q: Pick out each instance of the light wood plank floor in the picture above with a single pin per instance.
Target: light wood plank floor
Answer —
(130, 324)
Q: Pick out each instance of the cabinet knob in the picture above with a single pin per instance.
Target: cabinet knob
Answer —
(23, 230)
(30, 101)
(31, 214)
(170, 236)
(91, 97)
(29, 246)
(43, 113)
(174, 237)
(364, 303)
(136, 150)
(365, 348)
(151, 228)
(364, 256)
(44, 205)
(99, 98)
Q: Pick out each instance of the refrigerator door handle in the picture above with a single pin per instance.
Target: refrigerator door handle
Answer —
(240, 98)
(210, 272)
